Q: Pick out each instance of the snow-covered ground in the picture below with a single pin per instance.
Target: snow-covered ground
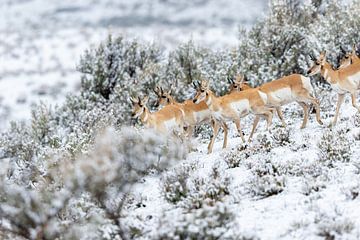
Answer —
(311, 204)
(41, 41)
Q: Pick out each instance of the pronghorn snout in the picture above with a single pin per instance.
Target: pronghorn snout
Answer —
(194, 101)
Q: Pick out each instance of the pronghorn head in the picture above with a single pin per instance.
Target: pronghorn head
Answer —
(164, 98)
(139, 106)
(318, 63)
(202, 91)
(348, 58)
(239, 84)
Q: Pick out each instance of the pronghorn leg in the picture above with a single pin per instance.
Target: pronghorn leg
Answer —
(280, 114)
(256, 121)
(268, 116)
(189, 131)
(238, 127)
(225, 127)
(316, 104)
(353, 101)
(340, 101)
(306, 114)
(215, 126)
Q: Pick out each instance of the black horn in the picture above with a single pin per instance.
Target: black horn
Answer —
(312, 57)
(230, 80)
(342, 49)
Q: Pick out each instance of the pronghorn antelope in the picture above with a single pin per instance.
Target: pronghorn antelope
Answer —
(168, 120)
(194, 114)
(288, 89)
(344, 80)
(235, 105)
(349, 58)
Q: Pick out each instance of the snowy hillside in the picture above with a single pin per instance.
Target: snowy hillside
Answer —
(41, 41)
(279, 187)
(98, 164)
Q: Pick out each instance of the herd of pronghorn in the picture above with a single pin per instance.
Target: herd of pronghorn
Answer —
(181, 118)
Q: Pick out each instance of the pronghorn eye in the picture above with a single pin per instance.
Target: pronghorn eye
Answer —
(202, 90)
(235, 86)
(163, 96)
(317, 63)
(140, 105)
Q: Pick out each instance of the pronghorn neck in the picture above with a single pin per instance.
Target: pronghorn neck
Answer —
(146, 117)
(210, 99)
(329, 73)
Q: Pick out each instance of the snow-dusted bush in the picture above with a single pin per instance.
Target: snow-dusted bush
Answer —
(42, 208)
(351, 190)
(313, 184)
(263, 143)
(327, 222)
(334, 146)
(235, 157)
(266, 180)
(174, 184)
(208, 222)
(207, 190)
(333, 224)
(281, 136)
(266, 185)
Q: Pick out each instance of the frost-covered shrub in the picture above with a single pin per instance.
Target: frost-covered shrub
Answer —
(207, 190)
(281, 136)
(208, 222)
(234, 157)
(43, 208)
(357, 120)
(174, 184)
(313, 184)
(351, 191)
(118, 63)
(334, 146)
(266, 185)
(333, 225)
(329, 223)
(266, 180)
(263, 143)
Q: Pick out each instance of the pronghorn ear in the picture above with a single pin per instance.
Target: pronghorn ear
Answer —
(240, 78)
(354, 49)
(204, 83)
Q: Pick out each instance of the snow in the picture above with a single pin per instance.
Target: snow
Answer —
(274, 217)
